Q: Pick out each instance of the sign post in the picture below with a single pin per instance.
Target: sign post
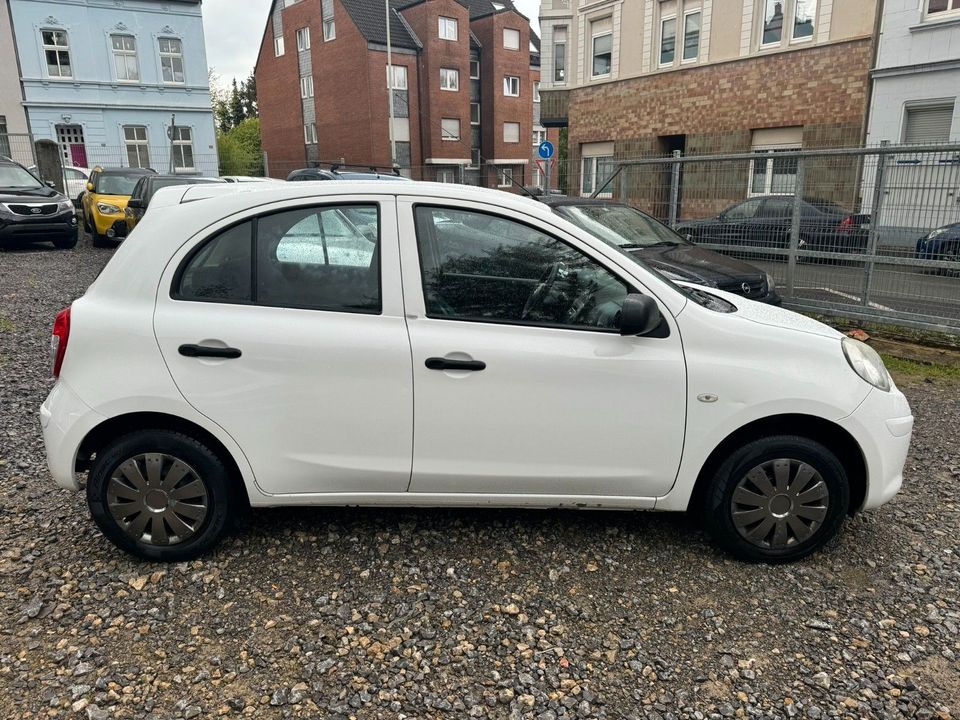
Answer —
(545, 150)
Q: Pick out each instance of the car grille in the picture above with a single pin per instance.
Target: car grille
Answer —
(33, 210)
(747, 288)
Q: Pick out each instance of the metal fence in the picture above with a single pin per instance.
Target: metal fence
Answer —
(837, 229)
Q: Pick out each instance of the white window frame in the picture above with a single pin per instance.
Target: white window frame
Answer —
(448, 74)
(536, 91)
(508, 83)
(940, 14)
(329, 30)
(763, 19)
(445, 134)
(448, 28)
(664, 21)
(399, 79)
(793, 24)
(172, 57)
(505, 176)
(511, 125)
(142, 145)
(306, 87)
(446, 175)
(278, 48)
(683, 44)
(472, 106)
(124, 54)
(477, 63)
(539, 135)
(310, 134)
(511, 32)
(58, 49)
(593, 54)
(566, 60)
(768, 170)
(180, 142)
(591, 163)
(303, 39)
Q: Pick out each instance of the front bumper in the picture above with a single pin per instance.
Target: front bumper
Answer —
(65, 421)
(45, 227)
(882, 426)
(103, 223)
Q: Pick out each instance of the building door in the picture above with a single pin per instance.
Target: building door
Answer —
(72, 148)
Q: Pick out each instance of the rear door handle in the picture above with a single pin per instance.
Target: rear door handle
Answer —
(227, 353)
(439, 363)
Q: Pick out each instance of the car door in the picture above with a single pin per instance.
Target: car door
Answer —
(87, 202)
(773, 222)
(286, 329)
(523, 384)
(739, 224)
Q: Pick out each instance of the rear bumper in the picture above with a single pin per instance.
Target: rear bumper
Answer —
(65, 421)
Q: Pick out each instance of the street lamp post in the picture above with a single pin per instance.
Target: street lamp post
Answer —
(393, 140)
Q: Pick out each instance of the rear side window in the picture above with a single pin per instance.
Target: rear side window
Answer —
(318, 258)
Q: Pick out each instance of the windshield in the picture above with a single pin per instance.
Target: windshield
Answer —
(14, 176)
(116, 184)
(620, 225)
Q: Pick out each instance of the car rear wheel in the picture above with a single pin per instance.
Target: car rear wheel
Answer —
(160, 495)
(777, 499)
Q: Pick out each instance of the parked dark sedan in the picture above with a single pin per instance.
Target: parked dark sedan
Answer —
(765, 222)
(32, 211)
(656, 244)
(941, 244)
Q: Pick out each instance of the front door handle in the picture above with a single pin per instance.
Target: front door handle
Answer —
(227, 353)
(439, 363)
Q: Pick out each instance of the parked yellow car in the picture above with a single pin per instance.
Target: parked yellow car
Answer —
(105, 201)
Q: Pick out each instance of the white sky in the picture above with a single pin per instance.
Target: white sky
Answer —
(234, 29)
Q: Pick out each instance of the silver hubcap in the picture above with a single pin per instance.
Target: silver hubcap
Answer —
(157, 499)
(780, 503)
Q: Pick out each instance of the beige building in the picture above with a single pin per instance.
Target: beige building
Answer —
(648, 77)
(13, 119)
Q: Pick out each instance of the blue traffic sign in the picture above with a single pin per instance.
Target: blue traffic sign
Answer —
(545, 150)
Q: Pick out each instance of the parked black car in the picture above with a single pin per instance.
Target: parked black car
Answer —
(32, 211)
(765, 222)
(144, 191)
(656, 244)
(335, 173)
(941, 244)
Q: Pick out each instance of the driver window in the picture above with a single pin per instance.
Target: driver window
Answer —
(745, 210)
(478, 266)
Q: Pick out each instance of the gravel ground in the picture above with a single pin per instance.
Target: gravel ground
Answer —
(430, 614)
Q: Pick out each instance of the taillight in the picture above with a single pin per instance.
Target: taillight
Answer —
(846, 225)
(58, 341)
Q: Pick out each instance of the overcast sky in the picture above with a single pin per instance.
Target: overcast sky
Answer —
(234, 29)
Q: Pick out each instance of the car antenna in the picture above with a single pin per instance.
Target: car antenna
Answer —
(601, 188)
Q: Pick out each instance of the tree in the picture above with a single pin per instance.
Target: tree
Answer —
(218, 99)
(248, 93)
(240, 150)
(237, 115)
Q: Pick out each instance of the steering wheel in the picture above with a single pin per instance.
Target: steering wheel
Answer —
(542, 290)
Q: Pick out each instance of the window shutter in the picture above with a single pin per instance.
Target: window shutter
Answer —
(928, 124)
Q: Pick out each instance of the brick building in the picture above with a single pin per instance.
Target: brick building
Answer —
(633, 78)
(462, 88)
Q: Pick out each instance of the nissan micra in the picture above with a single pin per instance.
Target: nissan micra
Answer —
(435, 345)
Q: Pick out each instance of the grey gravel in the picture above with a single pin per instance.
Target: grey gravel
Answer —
(354, 613)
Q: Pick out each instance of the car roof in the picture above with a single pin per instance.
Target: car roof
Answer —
(125, 171)
(562, 200)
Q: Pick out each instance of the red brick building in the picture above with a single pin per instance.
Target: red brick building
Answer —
(462, 76)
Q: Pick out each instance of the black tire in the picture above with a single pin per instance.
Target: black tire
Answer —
(99, 240)
(67, 243)
(86, 223)
(718, 504)
(221, 498)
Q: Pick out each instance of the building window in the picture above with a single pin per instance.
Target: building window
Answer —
(511, 39)
(138, 153)
(449, 79)
(511, 86)
(539, 135)
(329, 30)
(171, 59)
(511, 132)
(474, 113)
(450, 129)
(399, 77)
(125, 57)
(448, 28)
(278, 46)
(928, 124)
(303, 39)
(4, 137)
(602, 34)
(594, 171)
(183, 148)
(446, 175)
(668, 41)
(401, 95)
(560, 55)
(691, 36)
(505, 177)
(306, 86)
(939, 8)
(772, 22)
(475, 157)
(474, 69)
(804, 18)
(310, 134)
(56, 49)
(536, 91)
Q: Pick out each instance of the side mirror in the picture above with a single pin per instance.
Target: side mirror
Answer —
(640, 315)
(135, 204)
(89, 187)
(49, 183)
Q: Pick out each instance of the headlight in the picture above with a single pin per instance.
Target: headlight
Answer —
(866, 363)
(771, 283)
(108, 209)
(65, 205)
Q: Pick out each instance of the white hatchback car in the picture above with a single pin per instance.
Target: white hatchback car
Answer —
(436, 345)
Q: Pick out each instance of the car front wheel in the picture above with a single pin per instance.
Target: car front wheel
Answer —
(777, 499)
(160, 495)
